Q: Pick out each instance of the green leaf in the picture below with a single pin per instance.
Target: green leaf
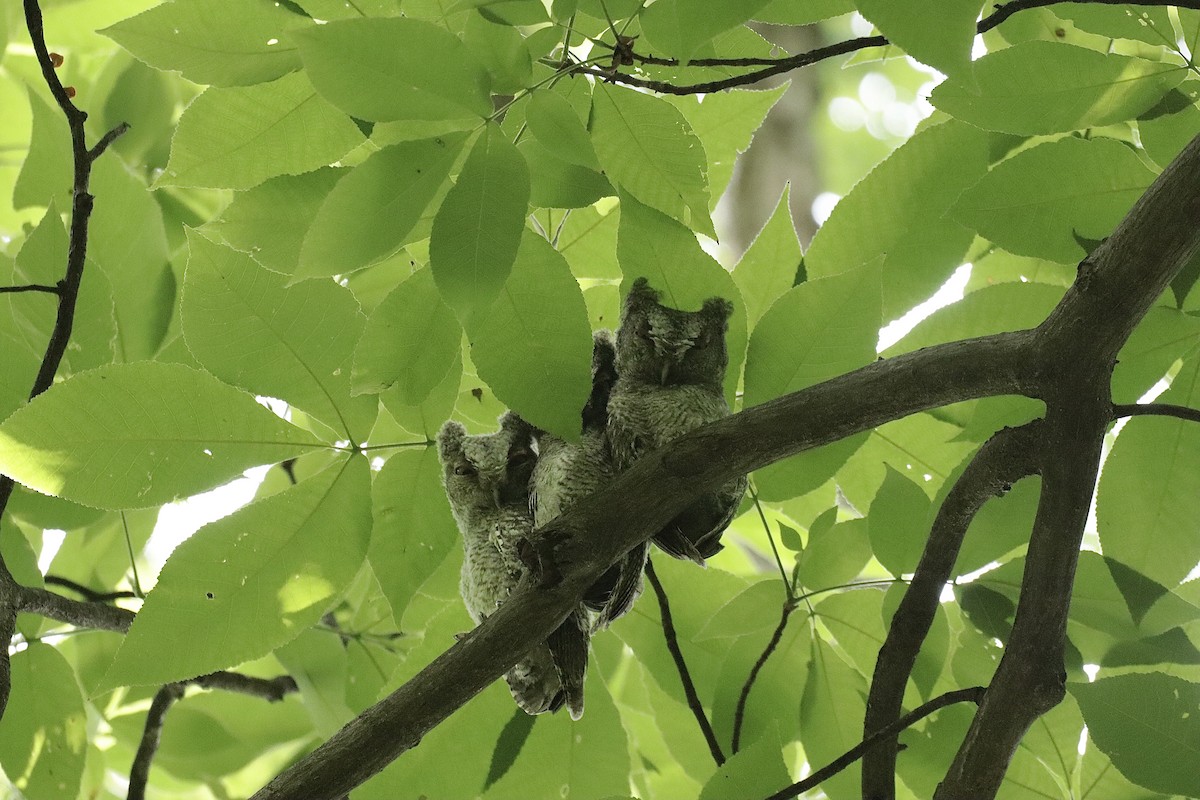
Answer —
(647, 148)
(945, 46)
(899, 523)
(1149, 725)
(426, 418)
(815, 331)
(270, 221)
(1046, 87)
(667, 254)
(768, 268)
(555, 183)
(898, 211)
(1163, 336)
(401, 69)
(1148, 502)
(835, 553)
(128, 240)
(1145, 24)
(726, 122)
(414, 531)
(501, 50)
(508, 745)
(292, 342)
(588, 241)
(789, 12)
(478, 228)
(750, 772)
(537, 336)
(856, 620)
(1042, 201)
(373, 208)
(554, 123)
(238, 137)
(1002, 525)
(754, 610)
(679, 27)
(411, 341)
(317, 662)
(143, 434)
(221, 42)
(44, 731)
(1165, 129)
(46, 172)
(831, 717)
(280, 562)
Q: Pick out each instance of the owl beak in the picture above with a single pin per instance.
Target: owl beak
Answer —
(666, 372)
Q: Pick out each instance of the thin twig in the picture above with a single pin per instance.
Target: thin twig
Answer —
(775, 66)
(91, 595)
(972, 695)
(689, 688)
(270, 689)
(29, 287)
(139, 773)
(740, 714)
(1156, 409)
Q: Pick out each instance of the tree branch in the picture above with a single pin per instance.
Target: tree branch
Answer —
(100, 616)
(68, 293)
(29, 287)
(1002, 461)
(776, 66)
(972, 695)
(91, 595)
(739, 715)
(685, 677)
(1156, 409)
(1113, 290)
(139, 774)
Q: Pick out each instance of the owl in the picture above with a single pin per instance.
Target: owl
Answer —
(568, 471)
(487, 482)
(671, 369)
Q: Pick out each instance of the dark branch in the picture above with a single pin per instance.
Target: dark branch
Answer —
(90, 595)
(1002, 461)
(1156, 409)
(689, 688)
(139, 774)
(11, 593)
(31, 287)
(775, 66)
(99, 616)
(270, 689)
(739, 715)
(973, 695)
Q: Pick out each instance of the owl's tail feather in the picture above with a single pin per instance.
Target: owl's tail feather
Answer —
(628, 587)
(569, 651)
(534, 683)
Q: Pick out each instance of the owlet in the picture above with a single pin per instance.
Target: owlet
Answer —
(487, 483)
(671, 367)
(566, 472)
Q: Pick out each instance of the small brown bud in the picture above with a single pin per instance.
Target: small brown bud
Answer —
(70, 90)
(56, 59)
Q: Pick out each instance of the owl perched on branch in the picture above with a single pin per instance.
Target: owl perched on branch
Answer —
(567, 472)
(487, 483)
(671, 369)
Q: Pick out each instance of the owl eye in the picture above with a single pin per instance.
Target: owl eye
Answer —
(464, 470)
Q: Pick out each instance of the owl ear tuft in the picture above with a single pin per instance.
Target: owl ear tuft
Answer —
(512, 422)
(718, 307)
(641, 292)
(450, 439)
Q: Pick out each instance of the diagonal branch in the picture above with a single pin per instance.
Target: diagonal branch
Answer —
(1156, 409)
(689, 688)
(1002, 461)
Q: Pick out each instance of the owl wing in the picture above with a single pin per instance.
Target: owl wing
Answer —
(534, 682)
(569, 651)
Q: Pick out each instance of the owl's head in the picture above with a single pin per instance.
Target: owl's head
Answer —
(488, 471)
(665, 346)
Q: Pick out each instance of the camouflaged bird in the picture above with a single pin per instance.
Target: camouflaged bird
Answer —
(487, 482)
(671, 369)
(566, 472)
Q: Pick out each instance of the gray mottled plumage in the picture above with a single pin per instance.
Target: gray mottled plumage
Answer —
(487, 483)
(671, 368)
(566, 472)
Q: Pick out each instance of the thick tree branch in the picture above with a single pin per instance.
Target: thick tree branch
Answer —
(972, 695)
(1115, 287)
(685, 677)
(99, 616)
(1113, 291)
(1002, 461)
(91, 595)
